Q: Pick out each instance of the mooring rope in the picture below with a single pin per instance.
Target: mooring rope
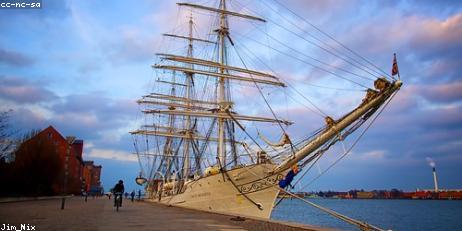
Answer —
(362, 225)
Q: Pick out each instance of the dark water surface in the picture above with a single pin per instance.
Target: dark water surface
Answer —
(386, 214)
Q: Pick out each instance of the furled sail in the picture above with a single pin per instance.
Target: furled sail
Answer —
(284, 140)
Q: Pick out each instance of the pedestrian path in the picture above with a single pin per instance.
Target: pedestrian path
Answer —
(99, 214)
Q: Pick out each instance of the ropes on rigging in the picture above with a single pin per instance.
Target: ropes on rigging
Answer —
(310, 57)
(319, 111)
(333, 39)
(138, 155)
(315, 44)
(303, 61)
(266, 101)
(352, 146)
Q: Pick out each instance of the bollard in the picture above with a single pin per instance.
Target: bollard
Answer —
(63, 200)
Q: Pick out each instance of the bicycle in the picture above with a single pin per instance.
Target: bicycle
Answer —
(118, 200)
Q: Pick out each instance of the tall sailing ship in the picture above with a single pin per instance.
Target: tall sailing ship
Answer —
(197, 151)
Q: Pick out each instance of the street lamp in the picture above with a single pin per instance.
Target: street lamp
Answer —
(140, 180)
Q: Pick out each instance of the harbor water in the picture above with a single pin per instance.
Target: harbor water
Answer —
(386, 214)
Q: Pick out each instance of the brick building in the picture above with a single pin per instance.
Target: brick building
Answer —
(91, 178)
(69, 149)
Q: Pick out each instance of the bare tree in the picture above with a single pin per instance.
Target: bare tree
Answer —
(7, 143)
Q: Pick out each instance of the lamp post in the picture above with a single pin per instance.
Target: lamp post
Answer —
(140, 180)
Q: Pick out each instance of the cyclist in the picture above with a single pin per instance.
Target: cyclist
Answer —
(119, 189)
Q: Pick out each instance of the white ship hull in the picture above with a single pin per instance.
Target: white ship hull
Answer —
(253, 193)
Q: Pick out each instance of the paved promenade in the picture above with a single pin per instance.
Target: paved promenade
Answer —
(99, 214)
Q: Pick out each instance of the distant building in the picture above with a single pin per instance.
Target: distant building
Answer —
(91, 177)
(455, 194)
(74, 164)
(364, 195)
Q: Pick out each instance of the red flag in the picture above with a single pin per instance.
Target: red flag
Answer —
(394, 70)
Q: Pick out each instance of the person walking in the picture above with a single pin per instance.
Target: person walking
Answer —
(133, 195)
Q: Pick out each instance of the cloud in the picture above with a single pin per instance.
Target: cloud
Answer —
(15, 59)
(306, 122)
(92, 114)
(433, 7)
(437, 71)
(25, 119)
(102, 121)
(317, 9)
(416, 132)
(428, 46)
(374, 155)
(89, 67)
(111, 154)
(439, 37)
(119, 44)
(446, 117)
(443, 93)
(20, 90)
(132, 45)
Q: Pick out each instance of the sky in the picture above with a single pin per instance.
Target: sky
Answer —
(81, 65)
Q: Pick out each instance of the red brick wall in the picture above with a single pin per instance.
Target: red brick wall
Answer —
(71, 162)
(75, 167)
(96, 176)
(91, 174)
(70, 157)
(87, 175)
(60, 144)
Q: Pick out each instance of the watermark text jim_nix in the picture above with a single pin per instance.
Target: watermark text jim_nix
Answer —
(21, 227)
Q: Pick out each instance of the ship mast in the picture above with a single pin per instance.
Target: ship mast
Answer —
(169, 141)
(222, 93)
(191, 109)
(189, 77)
(225, 122)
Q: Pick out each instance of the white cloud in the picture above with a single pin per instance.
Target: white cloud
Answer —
(89, 144)
(374, 154)
(112, 154)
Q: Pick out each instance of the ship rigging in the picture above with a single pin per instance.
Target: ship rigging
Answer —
(204, 142)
